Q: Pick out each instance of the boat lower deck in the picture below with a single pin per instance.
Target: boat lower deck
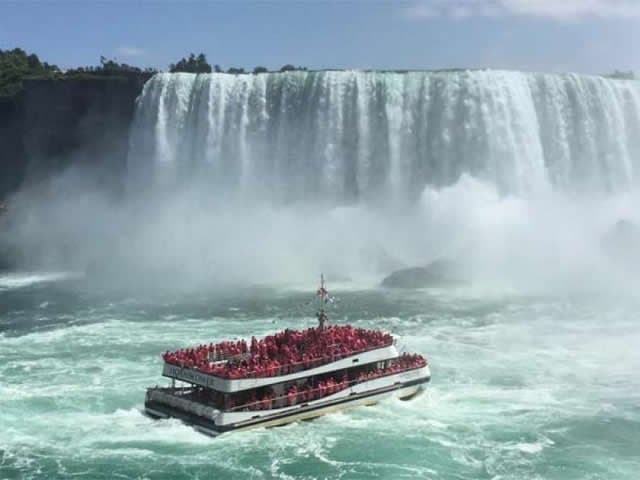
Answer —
(213, 422)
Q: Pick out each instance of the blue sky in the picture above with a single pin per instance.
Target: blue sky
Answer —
(591, 36)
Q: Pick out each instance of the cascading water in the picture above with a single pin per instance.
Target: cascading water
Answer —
(347, 136)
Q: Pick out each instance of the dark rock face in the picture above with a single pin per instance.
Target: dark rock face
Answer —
(8, 258)
(7, 254)
(80, 122)
(57, 123)
(439, 273)
(12, 157)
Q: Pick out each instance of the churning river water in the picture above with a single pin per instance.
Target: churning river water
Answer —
(526, 387)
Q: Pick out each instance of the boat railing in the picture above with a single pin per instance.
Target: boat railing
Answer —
(181, 402)
(249, 406)
(295, 367)
(342, 386)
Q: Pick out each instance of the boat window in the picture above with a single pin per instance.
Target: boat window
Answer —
(301, 390)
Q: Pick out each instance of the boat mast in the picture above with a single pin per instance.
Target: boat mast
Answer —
(322, 295)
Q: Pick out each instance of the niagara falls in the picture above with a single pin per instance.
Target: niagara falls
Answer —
(370, 261)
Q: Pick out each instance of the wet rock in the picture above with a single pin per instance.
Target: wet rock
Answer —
(441, 272)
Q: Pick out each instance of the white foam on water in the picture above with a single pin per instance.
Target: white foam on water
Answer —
(14, 280)
(530, 447)
(508, 381)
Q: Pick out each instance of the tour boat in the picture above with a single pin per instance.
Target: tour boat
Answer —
(288, 376)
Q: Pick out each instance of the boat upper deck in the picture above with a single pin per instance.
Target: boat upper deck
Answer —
(283, 353)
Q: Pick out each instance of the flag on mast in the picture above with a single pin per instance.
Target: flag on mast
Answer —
(323, 293)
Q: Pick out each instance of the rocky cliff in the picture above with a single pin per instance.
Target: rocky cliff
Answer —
(12, 158)
(55, 123)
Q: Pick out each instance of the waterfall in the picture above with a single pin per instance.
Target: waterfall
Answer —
(353, 136)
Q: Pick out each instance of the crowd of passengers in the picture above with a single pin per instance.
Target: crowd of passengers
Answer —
(313, 391)
(285, 352)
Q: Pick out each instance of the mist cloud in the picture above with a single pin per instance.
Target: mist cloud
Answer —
(194, 238)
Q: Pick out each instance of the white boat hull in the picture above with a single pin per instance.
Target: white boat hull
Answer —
(403, 393)
(403, 385)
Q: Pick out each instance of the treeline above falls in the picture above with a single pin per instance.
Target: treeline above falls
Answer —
(347, 136)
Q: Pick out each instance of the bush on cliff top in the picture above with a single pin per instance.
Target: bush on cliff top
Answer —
(16, 64)
(192, 64)
(108, 68)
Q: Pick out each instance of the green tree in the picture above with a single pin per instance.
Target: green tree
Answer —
(16, 65)
(191, 64)
(622, 75)
(235, 71)
(291, 68)
(260, 70)
(109, 68)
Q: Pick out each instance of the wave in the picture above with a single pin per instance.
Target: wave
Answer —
(15, 280)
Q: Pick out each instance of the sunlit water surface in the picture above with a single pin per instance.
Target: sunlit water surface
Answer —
(523, 387)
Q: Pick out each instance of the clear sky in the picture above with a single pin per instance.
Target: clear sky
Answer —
(592, 36)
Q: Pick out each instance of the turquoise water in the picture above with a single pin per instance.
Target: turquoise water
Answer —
(523, 387)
